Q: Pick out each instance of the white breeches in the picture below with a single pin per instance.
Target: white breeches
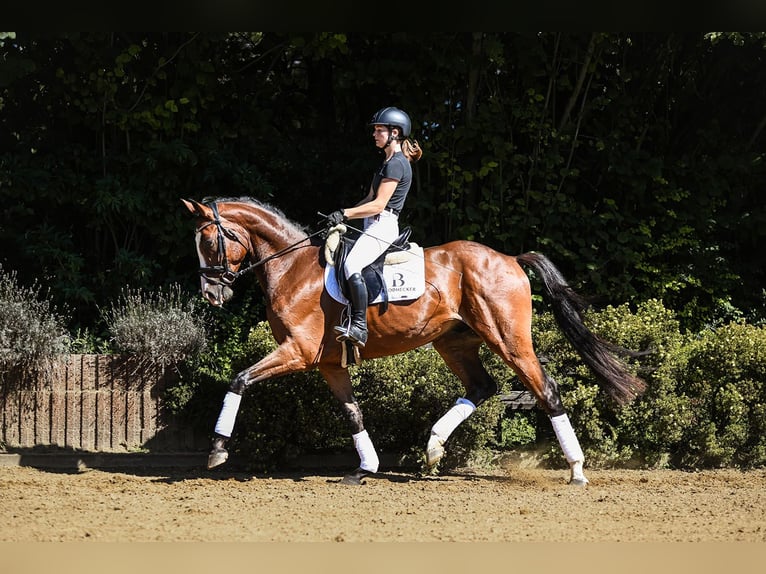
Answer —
(379, 232)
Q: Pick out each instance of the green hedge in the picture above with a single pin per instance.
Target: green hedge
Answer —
(704, 407)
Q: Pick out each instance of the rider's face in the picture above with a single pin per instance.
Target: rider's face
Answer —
(380, 134)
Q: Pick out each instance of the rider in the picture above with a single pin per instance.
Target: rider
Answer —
(380, 209)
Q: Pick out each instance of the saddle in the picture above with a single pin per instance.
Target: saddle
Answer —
(337, 246)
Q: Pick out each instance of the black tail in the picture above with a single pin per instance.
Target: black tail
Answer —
(598, 354)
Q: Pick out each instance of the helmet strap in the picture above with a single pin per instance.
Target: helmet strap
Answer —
(390, 136)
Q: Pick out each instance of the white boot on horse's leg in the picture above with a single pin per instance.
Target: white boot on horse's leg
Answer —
(571, 447)
(443, 428)
(577, 477)
(223, 427)
(434, 449)
(368, 459)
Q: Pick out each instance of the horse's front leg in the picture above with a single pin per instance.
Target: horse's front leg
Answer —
(283, 360)
(340, 384)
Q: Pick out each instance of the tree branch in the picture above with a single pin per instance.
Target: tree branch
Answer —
(580, 80)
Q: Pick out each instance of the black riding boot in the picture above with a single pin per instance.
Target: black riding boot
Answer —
(355, 329)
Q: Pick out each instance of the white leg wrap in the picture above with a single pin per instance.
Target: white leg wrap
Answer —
(567, 439)
(225, 423)
(366, 450)
(445, 426)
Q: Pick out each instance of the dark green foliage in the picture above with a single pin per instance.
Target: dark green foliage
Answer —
(32, 333)
(401, 397)
(599, 149)
(404, 395)
(204, 377)
(704, 404)
(517, 430)
(647, 431)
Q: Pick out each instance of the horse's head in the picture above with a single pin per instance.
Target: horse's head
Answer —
(222, 246)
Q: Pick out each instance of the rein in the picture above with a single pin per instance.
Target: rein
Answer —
(226, 275)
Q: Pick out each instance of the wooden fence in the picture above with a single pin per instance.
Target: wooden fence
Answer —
(95, 403)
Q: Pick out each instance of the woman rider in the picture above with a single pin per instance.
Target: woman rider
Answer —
(380, 211)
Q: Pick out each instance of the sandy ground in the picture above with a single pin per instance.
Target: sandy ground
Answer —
(505, 505)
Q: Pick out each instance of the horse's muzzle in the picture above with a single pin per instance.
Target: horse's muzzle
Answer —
(216, 295)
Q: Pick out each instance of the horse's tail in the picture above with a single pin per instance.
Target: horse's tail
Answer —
(598, 354)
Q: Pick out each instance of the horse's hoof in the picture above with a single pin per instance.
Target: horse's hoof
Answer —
(434, 451)
(356, 477)
(217, 458)
(582, 482)
(434, 455)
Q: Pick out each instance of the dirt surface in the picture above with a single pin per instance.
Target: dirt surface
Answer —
(510, 505)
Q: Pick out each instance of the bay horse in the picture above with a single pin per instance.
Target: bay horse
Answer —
(474, 295)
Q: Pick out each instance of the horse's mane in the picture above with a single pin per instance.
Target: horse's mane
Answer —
(268, 207)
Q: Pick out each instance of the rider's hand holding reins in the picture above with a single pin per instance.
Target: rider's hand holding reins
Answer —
(336, 217)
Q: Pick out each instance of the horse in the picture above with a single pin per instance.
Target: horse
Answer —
(473, 295)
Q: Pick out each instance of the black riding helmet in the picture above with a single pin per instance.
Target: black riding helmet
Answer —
(393, 118)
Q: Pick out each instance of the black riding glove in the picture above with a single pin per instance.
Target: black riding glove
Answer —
(337, 217)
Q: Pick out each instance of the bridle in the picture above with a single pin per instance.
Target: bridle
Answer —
(225, 275)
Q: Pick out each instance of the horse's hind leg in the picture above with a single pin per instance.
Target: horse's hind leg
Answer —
(512, 341)
(460, 350)
(526, 365)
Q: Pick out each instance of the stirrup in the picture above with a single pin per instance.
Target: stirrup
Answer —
(345, 334)
(342, 331)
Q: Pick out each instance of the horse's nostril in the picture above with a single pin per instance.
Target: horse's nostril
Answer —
(211, 297)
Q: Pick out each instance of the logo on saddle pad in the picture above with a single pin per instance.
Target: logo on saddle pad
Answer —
(403, 274)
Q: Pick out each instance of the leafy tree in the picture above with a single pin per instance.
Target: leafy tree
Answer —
(632, 159)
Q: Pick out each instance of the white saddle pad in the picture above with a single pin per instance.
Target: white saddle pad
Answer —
(405, 279)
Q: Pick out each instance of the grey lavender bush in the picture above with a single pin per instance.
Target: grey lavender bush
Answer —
(32, 332)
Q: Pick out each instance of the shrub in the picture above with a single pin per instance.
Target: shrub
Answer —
(726, 385)
(705, 403)
(32, 333)
(160, 327)
(402, 396)
(647, 432)
(644, 432)
(204, 377)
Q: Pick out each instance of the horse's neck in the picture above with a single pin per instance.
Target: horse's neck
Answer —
(269, 235)
(287, 250)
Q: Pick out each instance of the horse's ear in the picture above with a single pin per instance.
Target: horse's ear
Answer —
(196, 208)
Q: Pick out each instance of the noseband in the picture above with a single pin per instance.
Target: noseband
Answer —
(225, 276)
